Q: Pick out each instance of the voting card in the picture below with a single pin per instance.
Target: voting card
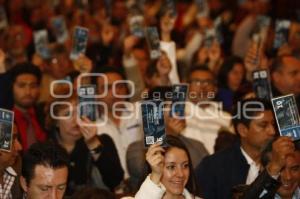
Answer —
(108, 7)
(262, 84)
(218, 30)
(3, 18)
(262, 24)
(81, 4)
(60, 29)
(136, 21)
(80, 39)
(287, 116)
(170, 7)
(87, 101)
(41, 44)
(203, 8)
(6, 129)
(281, 33)
(179, 94)
(209, 38)
(153, 42)
(153, 122)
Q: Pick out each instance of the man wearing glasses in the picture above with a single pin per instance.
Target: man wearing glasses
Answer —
(204, 117)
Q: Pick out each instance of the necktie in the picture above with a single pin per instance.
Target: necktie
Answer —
(30, 130)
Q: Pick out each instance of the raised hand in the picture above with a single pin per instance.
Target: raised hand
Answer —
(155, 158)
(89, 133)
(281, 148)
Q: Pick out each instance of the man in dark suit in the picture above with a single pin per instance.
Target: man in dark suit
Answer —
(240, 164)
(280, 179)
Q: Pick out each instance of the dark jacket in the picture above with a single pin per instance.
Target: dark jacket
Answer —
(81, 162)
(218, 173)
(264, 187)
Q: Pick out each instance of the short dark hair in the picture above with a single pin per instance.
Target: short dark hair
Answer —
(48, 154)
(245, 116)
(108, 69)
(201, 67)
(265, 155)
(25, 68)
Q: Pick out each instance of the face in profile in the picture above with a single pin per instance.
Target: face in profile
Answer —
(290, 176)
(46, 183)
(235, 76)
(68, 127)
(287, 79)
(260, 130)
(176, 171)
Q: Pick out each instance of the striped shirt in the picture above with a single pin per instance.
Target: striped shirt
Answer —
(8, 181)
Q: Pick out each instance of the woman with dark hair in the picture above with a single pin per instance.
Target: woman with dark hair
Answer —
(231, 76)
(94, 160)
(171, 174)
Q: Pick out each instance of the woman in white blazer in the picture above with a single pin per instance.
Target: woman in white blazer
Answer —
(171, 174)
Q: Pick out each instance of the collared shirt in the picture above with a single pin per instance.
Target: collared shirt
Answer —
(203, 124)
(128, 131)
(295, 196)
(254, 168)
(8, 181)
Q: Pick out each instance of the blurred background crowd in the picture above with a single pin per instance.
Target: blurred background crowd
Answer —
(218, 70)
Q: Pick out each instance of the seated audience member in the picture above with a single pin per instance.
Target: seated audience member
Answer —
(171, 174)
(135, 62)
(285, 74)
(135, 156)
(210, 54)
(231, 76)
(44, 171)
(240, 163)
(57, 67)
(204, 116)
(26, 80)
(281, 178)
(15, 43)
(93, 193)
(166, 20)
(94, 159)
(9, 176)
(157, 72)
(118, 117)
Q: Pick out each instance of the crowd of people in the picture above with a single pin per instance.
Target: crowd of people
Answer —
(226, 146)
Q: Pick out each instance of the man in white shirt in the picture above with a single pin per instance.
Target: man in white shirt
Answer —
(204, 117)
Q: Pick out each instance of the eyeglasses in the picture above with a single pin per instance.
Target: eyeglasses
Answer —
(205, 82)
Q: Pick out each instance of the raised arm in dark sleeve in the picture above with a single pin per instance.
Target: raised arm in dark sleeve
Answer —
(263, 187)
(109, 163)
